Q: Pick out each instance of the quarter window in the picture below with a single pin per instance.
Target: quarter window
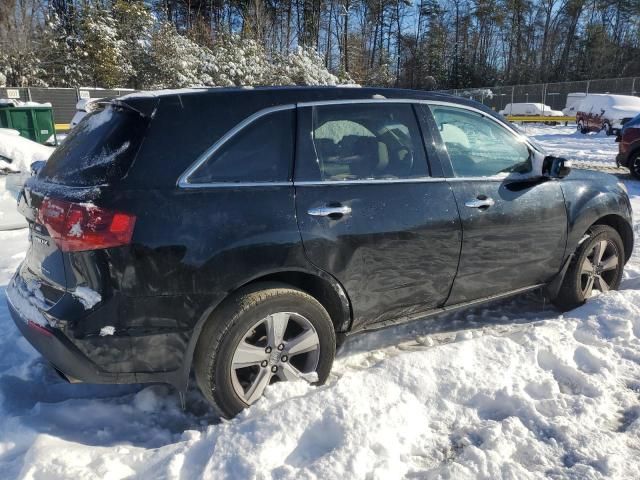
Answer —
(479, 147)
(261, 152)
(368, 141)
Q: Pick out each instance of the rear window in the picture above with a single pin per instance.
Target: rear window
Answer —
(100, 149)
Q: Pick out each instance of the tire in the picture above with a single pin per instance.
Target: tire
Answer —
(607, 129)
(575, 286)
(634, 165)
(581, 127)
(248, 317)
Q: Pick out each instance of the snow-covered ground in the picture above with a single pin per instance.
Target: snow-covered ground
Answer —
(567, 142)
(514, 391)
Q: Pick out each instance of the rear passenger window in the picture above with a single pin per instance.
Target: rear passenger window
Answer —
(368, 141)
(261, 152)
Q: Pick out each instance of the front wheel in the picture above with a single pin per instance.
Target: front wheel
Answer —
(597, 265)
(268, 334)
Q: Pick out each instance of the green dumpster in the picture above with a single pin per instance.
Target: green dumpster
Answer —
(34, 122)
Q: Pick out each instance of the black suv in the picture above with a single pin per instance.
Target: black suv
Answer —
(243, 232)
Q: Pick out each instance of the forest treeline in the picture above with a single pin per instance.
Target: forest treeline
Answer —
(417, 44)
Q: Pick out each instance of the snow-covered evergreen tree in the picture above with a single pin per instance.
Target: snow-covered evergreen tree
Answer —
(302, 67)
(176, 61)
(126, 45)
(237, 62)
(63, 52)
(134, 24)
(108, 62)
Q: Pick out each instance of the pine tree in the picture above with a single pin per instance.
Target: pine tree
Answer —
(134, 25)
(105, 53)
(175, 60)
(63, 51)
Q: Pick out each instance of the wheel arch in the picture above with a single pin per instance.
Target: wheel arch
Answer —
(622, 227)
(618, 223)
(320, 285)
(323, 288)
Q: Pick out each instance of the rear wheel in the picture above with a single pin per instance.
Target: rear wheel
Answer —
(597, 265)
(634, 165)
(268, 334)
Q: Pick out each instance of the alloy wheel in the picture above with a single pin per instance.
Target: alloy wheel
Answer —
(282, 346)
(599, 268)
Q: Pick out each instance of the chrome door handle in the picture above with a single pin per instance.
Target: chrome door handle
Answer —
(480, 203)
(329, 211)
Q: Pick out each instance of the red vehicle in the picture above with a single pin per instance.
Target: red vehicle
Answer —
(602, 111)
(629, 147)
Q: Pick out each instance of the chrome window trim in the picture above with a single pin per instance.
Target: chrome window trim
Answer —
(492, 178)
(234, 184)
(512, 130)
(183, 180)
(371, 181)
(338, 101)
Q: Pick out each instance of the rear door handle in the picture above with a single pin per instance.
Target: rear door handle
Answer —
(480, 203)
(327, 211)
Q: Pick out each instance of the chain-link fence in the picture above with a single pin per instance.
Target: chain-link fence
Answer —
(63, 100)
(552, 94)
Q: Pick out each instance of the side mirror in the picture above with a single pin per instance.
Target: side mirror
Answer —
(556, 167)
(36, 167)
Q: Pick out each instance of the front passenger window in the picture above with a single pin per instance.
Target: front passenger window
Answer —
(478, 146)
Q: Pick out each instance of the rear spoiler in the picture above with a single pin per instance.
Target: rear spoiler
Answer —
(143, 106)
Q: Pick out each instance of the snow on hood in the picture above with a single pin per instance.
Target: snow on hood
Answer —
(21, 151)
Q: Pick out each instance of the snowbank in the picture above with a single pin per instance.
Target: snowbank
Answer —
(9, 216)
(511, 391)
(16, 156)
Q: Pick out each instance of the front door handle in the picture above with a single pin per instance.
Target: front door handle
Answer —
(481, 203)
(326, 211)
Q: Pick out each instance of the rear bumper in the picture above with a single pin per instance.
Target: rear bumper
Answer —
(53, 343)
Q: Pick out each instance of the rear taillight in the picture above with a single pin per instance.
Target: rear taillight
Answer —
(82, 226)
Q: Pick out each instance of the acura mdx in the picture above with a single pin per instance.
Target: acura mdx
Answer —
(240, 234)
